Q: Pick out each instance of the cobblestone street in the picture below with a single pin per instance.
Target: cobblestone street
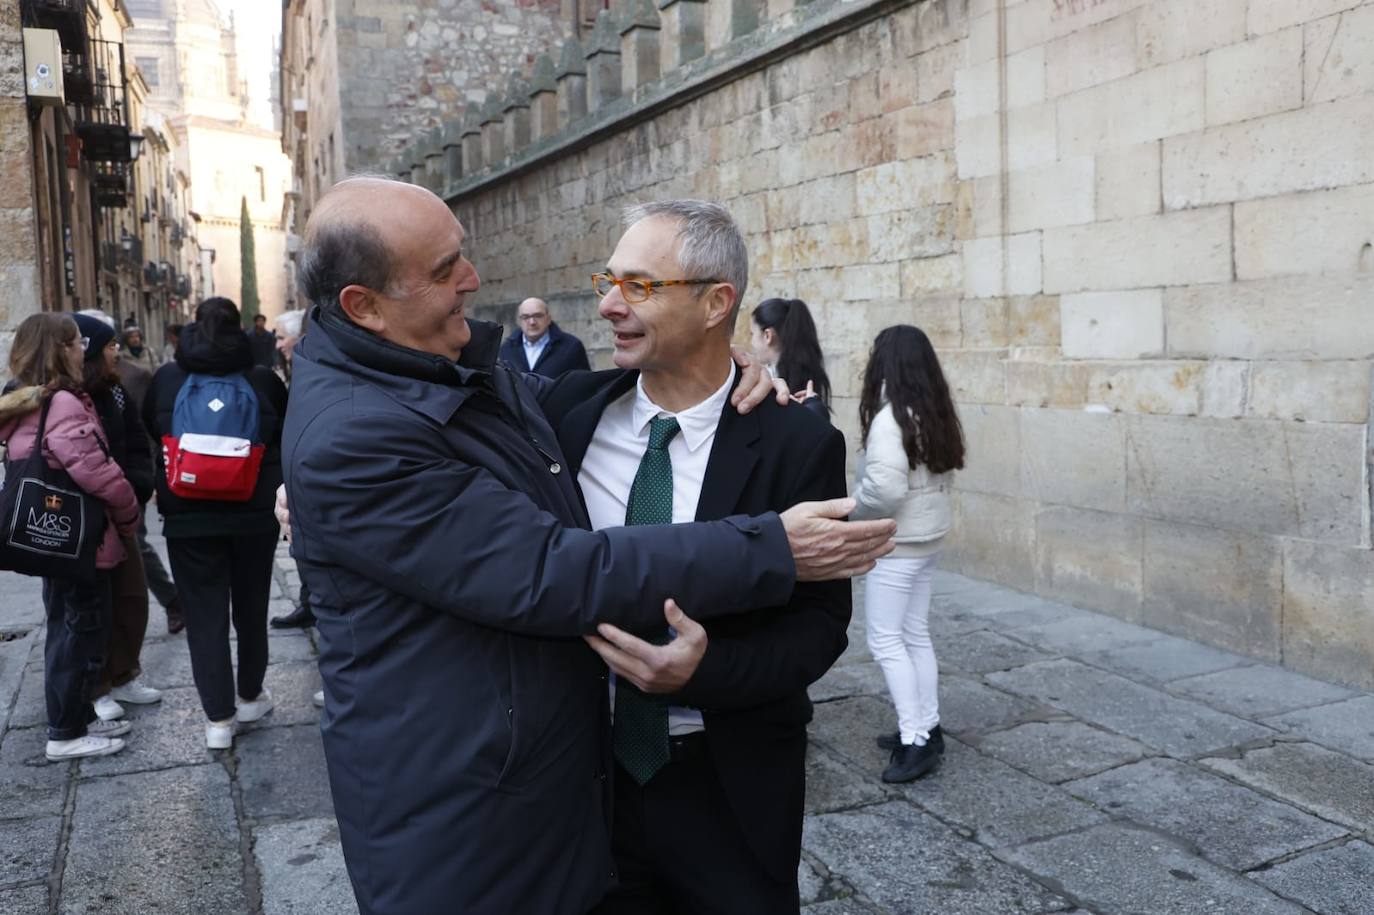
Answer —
(1093, 766)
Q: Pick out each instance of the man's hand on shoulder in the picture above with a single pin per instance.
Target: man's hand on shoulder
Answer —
(653, 668)
(825, 546)
(282, 512)
(756, 383)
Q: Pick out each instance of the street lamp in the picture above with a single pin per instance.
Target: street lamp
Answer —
(126, 241)
(135, 146)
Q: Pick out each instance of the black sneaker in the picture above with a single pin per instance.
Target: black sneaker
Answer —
(894, 740)
(910, 762)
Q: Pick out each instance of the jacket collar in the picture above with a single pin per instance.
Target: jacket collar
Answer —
(427, 383)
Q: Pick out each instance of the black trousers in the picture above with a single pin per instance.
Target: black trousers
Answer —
(213, 575)
(679, 850)
(159, 582)
(74, 655)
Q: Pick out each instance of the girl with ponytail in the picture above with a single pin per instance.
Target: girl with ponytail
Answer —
(784, 336)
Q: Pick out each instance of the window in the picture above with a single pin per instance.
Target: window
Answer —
(149, 67)
(262, 182)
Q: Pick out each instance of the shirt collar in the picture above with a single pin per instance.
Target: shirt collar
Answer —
(698, 423)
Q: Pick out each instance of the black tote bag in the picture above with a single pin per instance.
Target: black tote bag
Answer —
(48, 525)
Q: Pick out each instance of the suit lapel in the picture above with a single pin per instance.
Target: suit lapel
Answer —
(733, 456)
(579, 425)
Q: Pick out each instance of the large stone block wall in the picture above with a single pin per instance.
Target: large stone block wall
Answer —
(19, 279)
(409, 67)
(1138, 231)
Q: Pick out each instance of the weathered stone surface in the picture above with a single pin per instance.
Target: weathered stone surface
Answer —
(931, 869)
(1173, 249)
(994, 434)
(1331, 880)
(1333, 392)
(995, 536)
(1267, 18)
(1221, 587)
(843, 681)
(167, 660)
(833, 784)
(292, 687)
(1328, 619)
(1178, 726)
(1155, 103)
(979, 652)
(968, 705)
(1113, 325)
(302, 869)
(1116, 868)
(1347, 725)
(1320, 232)
(1295, 479)
(1075, 458)
(1259, 690)
(30, 786)
(989, 271)
(28, 900)
(134, 838)
(1339, 51)
(1331, 785)
(1164, 659)
(1228, 824)
(1092, 559)
(28, 848)
(1080, 637)
(1000, 805)
(1128, 181)
(1174, 29)
(171, 733)
(282, 773)
(1056, 751)
(1255, 78)
(1092, 56)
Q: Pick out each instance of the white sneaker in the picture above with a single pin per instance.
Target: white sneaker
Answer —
(89, 745)
(318, 699)
(219, 735)
(252, 710)
(108, 709)
(136, 693)
(102, 728)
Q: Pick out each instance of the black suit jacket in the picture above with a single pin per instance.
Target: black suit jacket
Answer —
(751, 684)
(563, 353)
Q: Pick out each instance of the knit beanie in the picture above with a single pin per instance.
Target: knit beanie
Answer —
(97, 333)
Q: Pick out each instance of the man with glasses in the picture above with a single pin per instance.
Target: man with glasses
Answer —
(542, 346)
(709, 719)
(452, 571)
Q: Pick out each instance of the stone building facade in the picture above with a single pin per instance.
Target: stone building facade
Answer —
(1138, 231)
(364, 79)
(95, 214)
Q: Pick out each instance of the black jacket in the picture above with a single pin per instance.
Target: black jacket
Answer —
(127, 437)
(442, 538)
(751, 684)
(263, 346)
(563, 353)
(199, 517)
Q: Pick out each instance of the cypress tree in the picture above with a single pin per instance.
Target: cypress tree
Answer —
(248, 296)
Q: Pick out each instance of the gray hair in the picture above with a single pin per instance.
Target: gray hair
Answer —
(709, 243)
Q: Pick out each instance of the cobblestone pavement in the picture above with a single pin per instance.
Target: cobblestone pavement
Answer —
(1092, 766)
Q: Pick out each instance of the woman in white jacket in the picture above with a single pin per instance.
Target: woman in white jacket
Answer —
(913, 443)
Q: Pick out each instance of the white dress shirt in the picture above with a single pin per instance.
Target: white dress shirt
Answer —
(612, 460)
(536, 349)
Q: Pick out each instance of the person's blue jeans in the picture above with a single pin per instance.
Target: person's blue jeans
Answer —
(79, 618)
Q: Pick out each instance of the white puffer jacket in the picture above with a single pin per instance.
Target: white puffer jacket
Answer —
(887, 487)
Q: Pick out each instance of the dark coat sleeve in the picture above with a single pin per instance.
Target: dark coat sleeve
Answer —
(450, 535)
(781, 651)
(138, 452)
(579, 360)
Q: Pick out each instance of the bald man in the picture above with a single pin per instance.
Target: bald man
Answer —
(542, 346)
(451, 570)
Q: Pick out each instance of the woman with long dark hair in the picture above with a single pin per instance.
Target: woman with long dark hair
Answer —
(222, 547)
(913, 443)
(784, 337)
(46, 361)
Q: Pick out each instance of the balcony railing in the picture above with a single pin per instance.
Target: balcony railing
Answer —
(103, 123)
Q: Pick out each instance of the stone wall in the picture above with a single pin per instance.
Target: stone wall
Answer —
(410, 67)
(1138, 231)
(19, 279)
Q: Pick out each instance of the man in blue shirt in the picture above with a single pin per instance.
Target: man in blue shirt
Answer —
(541, 346)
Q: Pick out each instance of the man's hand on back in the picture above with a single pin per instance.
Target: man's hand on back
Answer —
(825, 547)
(653, 668)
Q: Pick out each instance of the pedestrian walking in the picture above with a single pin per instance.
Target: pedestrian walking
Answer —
(130, 447)
(215, 410)
(913, 442)
(262, 342)
(137, 351)
(50, 412)
(783, 335)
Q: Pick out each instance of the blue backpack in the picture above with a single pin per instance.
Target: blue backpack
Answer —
(215, 448)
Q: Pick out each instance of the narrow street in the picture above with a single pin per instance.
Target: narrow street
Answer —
(1092, 765)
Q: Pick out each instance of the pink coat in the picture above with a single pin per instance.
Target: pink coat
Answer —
(69, 443)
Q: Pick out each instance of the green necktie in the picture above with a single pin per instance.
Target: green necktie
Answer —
(640, 733)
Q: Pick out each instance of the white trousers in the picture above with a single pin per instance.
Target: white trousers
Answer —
(897, 616)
